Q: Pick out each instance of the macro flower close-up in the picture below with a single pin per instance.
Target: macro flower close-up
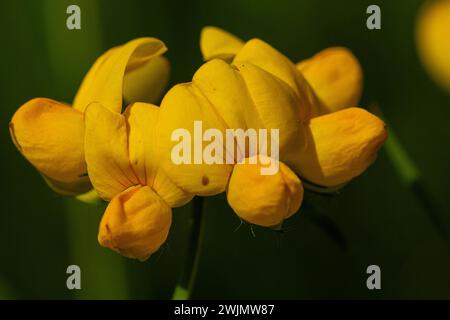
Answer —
(225, 151)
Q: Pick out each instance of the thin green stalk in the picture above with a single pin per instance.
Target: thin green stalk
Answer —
(411, 177)
(185, 285)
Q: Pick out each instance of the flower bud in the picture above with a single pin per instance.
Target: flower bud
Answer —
(336, 77)
(264, 200)
(341, 146)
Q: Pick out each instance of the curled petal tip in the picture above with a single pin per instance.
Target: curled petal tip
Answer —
(125, 70)
(148, 82)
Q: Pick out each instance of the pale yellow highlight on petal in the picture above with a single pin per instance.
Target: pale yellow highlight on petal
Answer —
(218, 43)
(90, 197)
(106, 150)
(264, 200)
(336, 77)
(105, 80)
(342, 145)
(181, 106)
(136, 223)
(50, 135)
(433, 40)
(142, 120)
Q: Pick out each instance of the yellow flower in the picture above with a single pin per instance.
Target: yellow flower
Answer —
(261, 89)
(120, 151)
(433, 40)
(50, 134)
(336, 77)
(326, 150)
(136, 223)
(127, 157)
(342, 145)
(265, 200)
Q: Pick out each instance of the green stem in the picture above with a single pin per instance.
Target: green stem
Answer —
(410, 175)
(184, 287)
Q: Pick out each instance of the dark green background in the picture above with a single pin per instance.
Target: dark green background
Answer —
(383, 223)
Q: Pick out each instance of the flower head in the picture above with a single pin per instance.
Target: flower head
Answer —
(50, 134)
(120, 151)
(332, 149)
(325, 139)
(92, 145)
(126, 156)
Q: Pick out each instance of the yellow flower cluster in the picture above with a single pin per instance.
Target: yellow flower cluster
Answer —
(126, 156)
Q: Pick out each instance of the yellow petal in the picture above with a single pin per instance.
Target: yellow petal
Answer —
(136, 223)
(275, 106)
(264, 200)
(433, 40)
(106, 151)
(224, 87)
(181, 106)
(50, 135)
(261, 54)
(173, 195)
(105, 80)
(141, 120)
(336, 77)
(217, 43)
(341, 146)
(147, 83)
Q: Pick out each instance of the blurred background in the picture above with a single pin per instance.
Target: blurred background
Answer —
(380, 218)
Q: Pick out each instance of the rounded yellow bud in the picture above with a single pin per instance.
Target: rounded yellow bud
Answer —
(262, 199)
(341, 146)
(336, 77)
(136, 223)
